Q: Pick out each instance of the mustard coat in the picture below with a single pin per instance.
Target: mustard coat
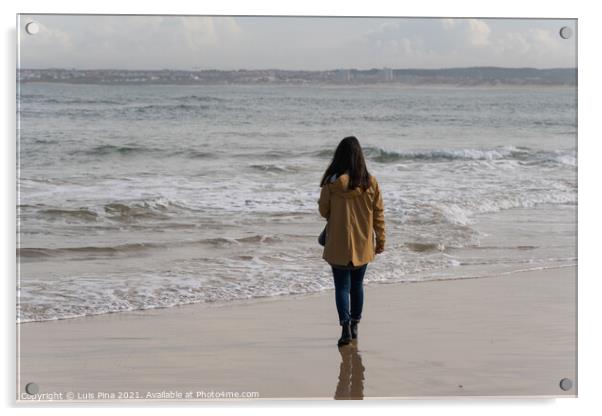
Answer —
(356, 222)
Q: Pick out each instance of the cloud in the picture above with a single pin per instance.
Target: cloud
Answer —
(201, 32)
(478, 32)
(466, 42)
(225, 42)
(448, 23)
(424, 42)
(127, 41)
(434, 35)
(533, 46)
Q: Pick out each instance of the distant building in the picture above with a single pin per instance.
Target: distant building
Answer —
(343, 75)
(453, 76)
(386, 74)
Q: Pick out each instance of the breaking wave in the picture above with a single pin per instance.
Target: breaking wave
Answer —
(521, 154)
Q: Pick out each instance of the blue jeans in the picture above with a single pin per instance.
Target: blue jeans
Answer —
(349, 284)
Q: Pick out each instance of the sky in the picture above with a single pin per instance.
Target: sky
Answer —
(291, 43)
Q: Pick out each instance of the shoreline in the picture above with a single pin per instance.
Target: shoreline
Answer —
(497, 343)
(377, 85)
(497, 234)
(286, 296)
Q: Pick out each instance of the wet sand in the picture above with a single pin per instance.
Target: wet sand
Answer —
(511, 335)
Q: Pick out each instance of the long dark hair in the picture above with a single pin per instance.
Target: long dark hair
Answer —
(348, 157)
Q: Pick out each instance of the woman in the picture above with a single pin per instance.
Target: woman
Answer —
(351, 202)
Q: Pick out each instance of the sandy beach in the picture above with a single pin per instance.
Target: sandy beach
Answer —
(510, 335)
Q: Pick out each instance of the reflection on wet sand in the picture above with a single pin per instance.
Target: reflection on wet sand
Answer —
(351, 374)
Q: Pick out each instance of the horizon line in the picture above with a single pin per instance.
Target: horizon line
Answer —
(299, 69)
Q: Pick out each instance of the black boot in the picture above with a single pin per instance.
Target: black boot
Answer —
(345, 334)
(354, 328)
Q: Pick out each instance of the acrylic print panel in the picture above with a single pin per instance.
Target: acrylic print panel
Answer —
(169, 172)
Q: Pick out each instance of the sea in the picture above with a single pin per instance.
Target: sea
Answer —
(151, 196)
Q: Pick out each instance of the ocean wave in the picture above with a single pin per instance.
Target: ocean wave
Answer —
(381, 155)
(157, 208)
(519, 154)
(39, 252)
(258, 239)
(193, 154)
(118, 293)
(79, 101)
(160, 108)
(424, 247)
(231, 241)
(225, 279)
(45, 141)
(127, 249)
(144, 210)
(463, 213)
(524, 155)
(263, 155)
(83, 214)
(130, 150)
(149, 208)
(110, 149)
(325, 153)
(273, 168)
(199, 98)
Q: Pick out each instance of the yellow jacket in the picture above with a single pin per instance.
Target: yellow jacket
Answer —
(356, 222)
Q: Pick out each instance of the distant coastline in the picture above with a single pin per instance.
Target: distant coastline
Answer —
(472, 76)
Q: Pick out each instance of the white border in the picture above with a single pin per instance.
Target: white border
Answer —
(588, 161)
